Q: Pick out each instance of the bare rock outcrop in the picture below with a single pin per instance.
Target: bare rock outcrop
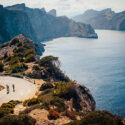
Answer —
(80, 98)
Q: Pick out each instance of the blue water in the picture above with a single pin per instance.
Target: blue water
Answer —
(99, 64)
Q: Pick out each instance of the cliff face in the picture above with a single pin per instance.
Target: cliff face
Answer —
(14, 23)
(83, 101)
(105, 19)
(38, 25)
(48, 26)
(3, 30)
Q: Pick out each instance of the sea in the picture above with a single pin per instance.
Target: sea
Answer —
(99, 64)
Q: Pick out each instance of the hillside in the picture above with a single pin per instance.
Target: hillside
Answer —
(105, 19)
(57, 95)
(58, 100)
(38, 24)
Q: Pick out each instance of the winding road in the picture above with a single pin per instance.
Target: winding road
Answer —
(23, 89)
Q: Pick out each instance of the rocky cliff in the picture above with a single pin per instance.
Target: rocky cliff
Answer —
(105, 19)
(13, 23)
(38, 25)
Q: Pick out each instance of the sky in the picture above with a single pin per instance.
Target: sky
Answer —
(70, 7)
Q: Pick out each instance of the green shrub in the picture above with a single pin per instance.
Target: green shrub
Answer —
(34, 74)
(62, 88)
(52, 65)
(59, 103)
(14, 60)
(2, 113)
(30, 58)
(32, 101)
(27, 44)
(44, 106)
(19, 55)
(28, 52)
(17, 120)
(7, 108)
(14, 41)
(8, 58)
(47, 96)
(53, 114)
(45, 61)
(10, 104)
(19, 44)
(46, 92)
(5, 111)
(1, 67)
(19, 50)
(15, 102)
(98, 118)
(29, 109)
(36, 68)
(18, 75)
(45, 86)
(18, 68)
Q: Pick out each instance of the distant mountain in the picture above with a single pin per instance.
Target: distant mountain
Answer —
(105, 19)
(38, 24)
(52, 12)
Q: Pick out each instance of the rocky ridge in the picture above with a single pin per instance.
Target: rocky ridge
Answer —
(39, 25)
(105, 19)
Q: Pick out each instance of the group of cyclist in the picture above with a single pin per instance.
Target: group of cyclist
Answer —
(8, 88)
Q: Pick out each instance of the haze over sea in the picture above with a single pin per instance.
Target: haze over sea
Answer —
(99, 64)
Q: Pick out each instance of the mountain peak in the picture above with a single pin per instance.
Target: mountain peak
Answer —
(21, 37)
(107, 9)
(17, 7)
(92, 11)
(104, 19)
(52, 12)
(1, 6)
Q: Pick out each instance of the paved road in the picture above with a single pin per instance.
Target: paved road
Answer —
(23, 89)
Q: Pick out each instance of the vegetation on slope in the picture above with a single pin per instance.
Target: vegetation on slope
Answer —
(98, 118)
(16, 53)
(1, 67)
(17, 120)
(7, 108)
(58, 95)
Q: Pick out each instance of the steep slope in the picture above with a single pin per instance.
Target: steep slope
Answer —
(105, 19)
(13, 23)
(39, 25)
(56, 93)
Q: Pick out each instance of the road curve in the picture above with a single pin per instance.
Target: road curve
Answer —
(23, 89)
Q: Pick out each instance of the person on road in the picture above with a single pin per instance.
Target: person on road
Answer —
(7, 87)
(13, 86)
